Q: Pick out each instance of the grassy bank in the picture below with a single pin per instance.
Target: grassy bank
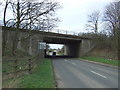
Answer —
(42, 77)
(101, 60)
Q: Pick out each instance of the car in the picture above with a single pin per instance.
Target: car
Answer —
(54, 53)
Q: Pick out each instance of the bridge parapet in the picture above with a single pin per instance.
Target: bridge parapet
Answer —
(60, 31)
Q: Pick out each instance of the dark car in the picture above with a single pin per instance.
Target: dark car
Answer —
(54, 53)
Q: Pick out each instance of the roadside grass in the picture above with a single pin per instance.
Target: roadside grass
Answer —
(101, 60)
(42, 77)
(60, 53)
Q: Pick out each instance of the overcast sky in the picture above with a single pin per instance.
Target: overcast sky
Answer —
(74, 14)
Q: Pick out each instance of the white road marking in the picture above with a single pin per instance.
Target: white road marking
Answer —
(73, 63)
(99, 74)
(65, 60)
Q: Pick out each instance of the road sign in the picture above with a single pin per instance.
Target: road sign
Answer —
(42, 45)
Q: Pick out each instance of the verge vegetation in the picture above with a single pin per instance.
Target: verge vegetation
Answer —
(101, 60)
(42, 77)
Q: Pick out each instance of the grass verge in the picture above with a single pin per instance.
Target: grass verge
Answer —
(102, 60)
(42, 77)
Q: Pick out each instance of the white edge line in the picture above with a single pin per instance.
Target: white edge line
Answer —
(99, 74)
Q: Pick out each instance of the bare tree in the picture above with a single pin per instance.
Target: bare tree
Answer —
(112, 17)
(34, 11)
(7, 2)
(31, 13)
(93, 21)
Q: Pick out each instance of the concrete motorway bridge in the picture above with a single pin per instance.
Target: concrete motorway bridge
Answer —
(75, 46)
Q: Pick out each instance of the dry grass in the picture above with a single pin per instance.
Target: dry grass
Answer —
(11, 80)
(10, 83)
(104, 53)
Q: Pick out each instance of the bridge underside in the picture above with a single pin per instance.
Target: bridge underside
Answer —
(72, 46)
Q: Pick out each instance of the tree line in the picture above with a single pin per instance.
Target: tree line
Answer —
(105, 29)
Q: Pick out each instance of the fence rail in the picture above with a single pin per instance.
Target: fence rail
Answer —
(15, 66)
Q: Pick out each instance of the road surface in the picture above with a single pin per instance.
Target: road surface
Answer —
(72, 73)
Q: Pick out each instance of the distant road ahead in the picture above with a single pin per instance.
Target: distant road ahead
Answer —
(71, 73)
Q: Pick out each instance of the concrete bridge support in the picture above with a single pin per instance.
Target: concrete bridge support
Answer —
(27, 44)
(78, 49)
(86, 46)
(73, 49)
(34, 48)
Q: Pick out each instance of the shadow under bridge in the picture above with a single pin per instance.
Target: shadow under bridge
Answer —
(71, 46)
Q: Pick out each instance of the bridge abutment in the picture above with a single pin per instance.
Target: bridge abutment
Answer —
(73, 49)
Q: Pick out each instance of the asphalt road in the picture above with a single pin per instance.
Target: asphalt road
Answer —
(72, 73)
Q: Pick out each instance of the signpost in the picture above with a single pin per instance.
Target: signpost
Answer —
(42, 45)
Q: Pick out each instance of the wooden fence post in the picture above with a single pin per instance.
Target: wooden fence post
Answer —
(29, 70)
(16, 66)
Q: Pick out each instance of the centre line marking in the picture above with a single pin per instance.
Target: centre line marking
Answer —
(99, 74)
(73, 63)
(65, 60)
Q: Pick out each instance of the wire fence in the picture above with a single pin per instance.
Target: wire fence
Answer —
(13, 68)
